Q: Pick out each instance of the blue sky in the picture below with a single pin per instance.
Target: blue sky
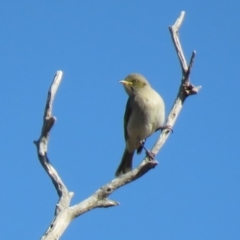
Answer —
(194, 191)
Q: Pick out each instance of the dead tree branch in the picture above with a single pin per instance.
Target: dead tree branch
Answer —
(186, 88)
(42, 145)
(65, 213)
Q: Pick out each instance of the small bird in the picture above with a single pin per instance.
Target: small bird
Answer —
(144, 115)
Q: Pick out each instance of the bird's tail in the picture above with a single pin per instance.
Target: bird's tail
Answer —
(126, 163)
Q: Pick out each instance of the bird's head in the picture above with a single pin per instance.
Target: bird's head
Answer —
(134, 82)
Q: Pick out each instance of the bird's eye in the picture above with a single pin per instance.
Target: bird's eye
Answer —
(134, 81)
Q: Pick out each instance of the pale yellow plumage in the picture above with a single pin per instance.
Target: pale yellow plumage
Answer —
(144, 114)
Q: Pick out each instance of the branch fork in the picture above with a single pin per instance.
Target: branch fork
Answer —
(64, 213)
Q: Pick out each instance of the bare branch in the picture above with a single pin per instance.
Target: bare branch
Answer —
(190, 64)
(186, 88)
(42, 145)
(100, 197)
(186, 69)
(64, 214)
(42, 142)
(174, 29)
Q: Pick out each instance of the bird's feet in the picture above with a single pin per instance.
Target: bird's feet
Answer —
(150, 154)
(165, 127)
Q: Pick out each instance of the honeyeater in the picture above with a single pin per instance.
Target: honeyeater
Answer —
(144, 115)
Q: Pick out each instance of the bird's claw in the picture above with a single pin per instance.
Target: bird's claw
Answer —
(165, 127)
(151, 155)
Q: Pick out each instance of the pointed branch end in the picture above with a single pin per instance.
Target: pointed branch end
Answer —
(105, 203)
(190, 89)
(187, 72)
(112, 203)
(59, 72)
(182, 15)
(192, 59)
(197, 89)
(147, 165)
(71, 194)
(57, 78)
(178, 22)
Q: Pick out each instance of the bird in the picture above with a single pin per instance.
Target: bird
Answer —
(144, 115)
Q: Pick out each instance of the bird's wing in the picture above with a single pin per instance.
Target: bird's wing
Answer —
(127, 115)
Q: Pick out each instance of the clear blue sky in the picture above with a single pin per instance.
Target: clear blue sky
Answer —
(194, 191)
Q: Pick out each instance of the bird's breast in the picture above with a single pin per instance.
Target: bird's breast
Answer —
(148, 114)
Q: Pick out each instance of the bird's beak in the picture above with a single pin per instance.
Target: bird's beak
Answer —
(124, 82)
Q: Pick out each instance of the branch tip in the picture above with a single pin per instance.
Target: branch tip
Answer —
(105, 203)
(179, 21)
(192, 58)
(187, 73)
(112, 203)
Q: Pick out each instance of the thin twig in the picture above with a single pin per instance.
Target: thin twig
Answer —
(174, 29)
(190, 65)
